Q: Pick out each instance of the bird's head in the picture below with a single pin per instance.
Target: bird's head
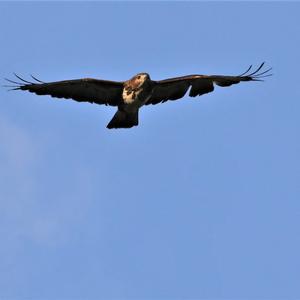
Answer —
(139, 79)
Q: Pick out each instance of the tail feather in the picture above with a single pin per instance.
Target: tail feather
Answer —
(123, 119)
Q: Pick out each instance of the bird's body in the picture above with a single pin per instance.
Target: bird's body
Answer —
(135, 94)
(129, 96)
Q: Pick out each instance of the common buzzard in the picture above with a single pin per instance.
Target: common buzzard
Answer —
(129, 96)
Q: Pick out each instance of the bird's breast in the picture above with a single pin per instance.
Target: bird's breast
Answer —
(129, 96)
(135, 97)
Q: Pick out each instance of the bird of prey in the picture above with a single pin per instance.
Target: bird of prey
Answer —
(129, 96)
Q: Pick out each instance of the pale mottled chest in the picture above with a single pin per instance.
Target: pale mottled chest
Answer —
(136, 94)
(131, 95)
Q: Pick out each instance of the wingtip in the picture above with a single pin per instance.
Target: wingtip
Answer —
(255, 75)
(23, 84)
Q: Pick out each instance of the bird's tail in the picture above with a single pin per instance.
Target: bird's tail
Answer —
(123, 119)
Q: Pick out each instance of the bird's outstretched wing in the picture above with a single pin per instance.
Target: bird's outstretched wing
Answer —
(82, 90)
(175, 88)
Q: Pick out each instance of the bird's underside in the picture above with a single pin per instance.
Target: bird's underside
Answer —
(128, 96)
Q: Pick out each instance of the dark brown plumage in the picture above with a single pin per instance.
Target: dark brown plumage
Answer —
(130, 95)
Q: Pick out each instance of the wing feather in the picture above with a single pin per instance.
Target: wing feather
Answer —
(81, 90)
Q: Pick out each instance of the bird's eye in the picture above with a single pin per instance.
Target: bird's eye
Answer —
(139, 77)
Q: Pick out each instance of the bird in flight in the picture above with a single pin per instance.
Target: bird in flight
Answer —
(129, 96)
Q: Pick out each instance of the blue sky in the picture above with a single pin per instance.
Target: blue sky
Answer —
(201, 201)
